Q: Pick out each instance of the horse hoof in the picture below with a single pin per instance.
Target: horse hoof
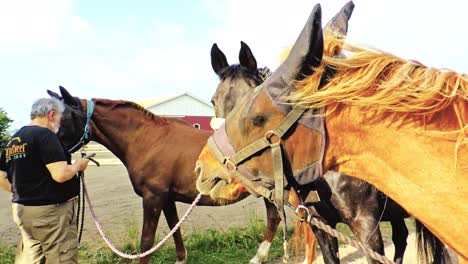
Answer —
(255, 260)
(183, 261)
(262, 253)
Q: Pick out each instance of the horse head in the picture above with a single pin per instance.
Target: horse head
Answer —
(73, 120)
(236, 80)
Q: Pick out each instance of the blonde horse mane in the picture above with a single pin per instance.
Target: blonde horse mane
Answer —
(381, 82)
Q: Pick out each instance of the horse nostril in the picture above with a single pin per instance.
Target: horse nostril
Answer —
(198, 169)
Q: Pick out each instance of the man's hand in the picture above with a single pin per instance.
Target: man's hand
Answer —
(62, 172)
(81, 164)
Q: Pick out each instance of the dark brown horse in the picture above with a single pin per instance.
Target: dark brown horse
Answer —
(163, 175)
(350, 200)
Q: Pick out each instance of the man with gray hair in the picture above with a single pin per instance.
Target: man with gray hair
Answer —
(37, 169)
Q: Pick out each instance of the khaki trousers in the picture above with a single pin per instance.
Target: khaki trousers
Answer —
(49, 233)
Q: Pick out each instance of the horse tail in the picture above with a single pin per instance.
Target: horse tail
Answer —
(308, 241)
(430, 248)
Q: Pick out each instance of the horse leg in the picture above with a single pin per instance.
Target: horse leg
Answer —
(399, 236)
(273, 220)
(152, 206)
(328, 246)
(170, 211)
(366, 229)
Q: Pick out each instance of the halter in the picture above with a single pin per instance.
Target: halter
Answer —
(85, 138)
(224, 153)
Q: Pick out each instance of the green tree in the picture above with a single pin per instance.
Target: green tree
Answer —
(4, 125)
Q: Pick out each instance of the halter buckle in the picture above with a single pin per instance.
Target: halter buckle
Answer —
(269, 136)
(302, 212)
(230, 166)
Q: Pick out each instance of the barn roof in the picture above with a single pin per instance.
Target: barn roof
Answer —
(163, 99)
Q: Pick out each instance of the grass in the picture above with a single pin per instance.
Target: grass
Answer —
(7, 254)
(234, 245)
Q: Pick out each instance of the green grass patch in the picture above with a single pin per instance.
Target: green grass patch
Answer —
(233, 245)
(7, 254)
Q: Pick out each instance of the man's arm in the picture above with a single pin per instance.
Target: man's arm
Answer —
(4, 183)
(62, 172)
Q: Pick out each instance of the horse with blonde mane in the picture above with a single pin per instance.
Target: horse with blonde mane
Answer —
(391, 122)
(352, 201)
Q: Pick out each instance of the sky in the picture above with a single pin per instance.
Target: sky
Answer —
(141, 50)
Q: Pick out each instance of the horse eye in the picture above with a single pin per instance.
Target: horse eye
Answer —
(259, 121)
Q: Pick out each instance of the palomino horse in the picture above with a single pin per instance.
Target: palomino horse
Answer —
(163, 175)
(384, 116)
(352, 201)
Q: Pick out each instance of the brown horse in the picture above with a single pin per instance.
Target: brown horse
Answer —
(348, 196)
(384, 116)
(164, 175)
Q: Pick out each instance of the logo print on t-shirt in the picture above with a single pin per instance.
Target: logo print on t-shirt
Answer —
(15, 150)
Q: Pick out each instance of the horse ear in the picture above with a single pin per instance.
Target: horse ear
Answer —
(68, 98)
(246, 58)
(54, 94)
(218, 59)
(305, 54)
(339, 23)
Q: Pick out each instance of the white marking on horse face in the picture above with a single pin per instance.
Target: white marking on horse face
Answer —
(262, 253)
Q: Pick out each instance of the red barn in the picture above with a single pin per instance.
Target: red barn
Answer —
(184, 106)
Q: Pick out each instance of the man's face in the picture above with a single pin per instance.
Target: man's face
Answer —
(54, 120)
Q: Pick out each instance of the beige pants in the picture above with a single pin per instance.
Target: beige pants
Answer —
(49, 233)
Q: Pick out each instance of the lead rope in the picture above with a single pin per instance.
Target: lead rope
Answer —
(81, 201)
(304, 215)
(81, 207)
(143, 254)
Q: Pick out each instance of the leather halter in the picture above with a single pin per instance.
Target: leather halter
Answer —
(224, 153)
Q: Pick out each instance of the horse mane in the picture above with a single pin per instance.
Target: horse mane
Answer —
(159, 120)
(380, 81)
(237, 71)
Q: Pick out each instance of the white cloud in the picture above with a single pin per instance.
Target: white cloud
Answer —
(79, 24)
(29, 25)
(164, 29)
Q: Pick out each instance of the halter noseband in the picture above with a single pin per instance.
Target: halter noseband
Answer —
(85, 138)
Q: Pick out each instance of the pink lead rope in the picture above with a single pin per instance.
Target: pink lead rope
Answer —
(146, 253)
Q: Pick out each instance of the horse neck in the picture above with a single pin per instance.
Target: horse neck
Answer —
(373, 144)
(123, 130)
(414, 162)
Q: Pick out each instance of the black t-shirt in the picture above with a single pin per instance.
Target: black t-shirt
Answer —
(25, 158)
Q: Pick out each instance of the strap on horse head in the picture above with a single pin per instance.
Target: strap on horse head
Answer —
(85, 138)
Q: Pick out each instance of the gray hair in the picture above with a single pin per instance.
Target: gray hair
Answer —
(43, 106)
